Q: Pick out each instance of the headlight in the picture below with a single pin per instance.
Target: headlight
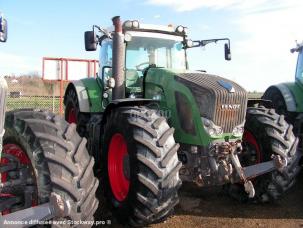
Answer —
(238, 130)
(136, 24)
(128, 24)
(180, 29)
(211, 128)
(131, 24)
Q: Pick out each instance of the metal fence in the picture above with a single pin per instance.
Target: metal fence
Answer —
(33, 92)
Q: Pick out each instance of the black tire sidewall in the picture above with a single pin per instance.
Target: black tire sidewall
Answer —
(38, 164)
(259, 132)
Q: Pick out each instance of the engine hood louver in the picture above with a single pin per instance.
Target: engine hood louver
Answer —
(219, 99)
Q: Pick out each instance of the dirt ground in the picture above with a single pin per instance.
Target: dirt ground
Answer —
(200, 207)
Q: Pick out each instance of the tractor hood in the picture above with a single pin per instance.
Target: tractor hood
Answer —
(219, 100)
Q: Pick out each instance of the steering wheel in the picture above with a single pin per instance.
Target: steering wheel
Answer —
(140, 68)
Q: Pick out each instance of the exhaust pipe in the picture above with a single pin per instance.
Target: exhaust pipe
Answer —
(118, 59)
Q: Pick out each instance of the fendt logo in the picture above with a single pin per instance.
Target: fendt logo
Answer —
(230, 106)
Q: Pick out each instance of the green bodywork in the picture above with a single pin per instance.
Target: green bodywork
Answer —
(160, 82)
(94, 88)
(164, 80)
(296, 89)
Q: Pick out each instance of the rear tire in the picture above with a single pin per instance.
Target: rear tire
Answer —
(150, 177)
(58, 156)
(269, 134)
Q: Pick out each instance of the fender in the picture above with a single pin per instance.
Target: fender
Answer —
(288, 96)
(127, 102)
(89, 94)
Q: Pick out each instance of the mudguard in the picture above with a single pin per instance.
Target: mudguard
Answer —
(292, 94)
(89, 93)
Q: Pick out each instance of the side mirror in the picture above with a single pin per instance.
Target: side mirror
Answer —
(227, 52)
(3, 29)
(90, 41)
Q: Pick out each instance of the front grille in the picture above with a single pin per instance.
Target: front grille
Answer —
(210, 96)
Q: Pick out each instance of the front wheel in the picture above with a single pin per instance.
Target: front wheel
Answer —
(267, 133)
(139, 166)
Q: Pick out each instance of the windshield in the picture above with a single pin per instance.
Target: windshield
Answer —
(156, 50)
(299, 70)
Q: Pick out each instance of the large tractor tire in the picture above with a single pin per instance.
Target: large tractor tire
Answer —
(72, 112)
(139, 168)
(46, 155)
(267, 133)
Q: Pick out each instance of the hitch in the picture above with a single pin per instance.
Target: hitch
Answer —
(31, 216)
(250, 172)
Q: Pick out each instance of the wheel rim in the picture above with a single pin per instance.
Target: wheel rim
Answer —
(72, 116)
(118, 167)
(16, 151)
(253, 152)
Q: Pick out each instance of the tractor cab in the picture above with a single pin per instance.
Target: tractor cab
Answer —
(143, 47)
(148, 50)
(299, 69)
(150, 46)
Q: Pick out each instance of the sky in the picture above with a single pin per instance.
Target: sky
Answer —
(261, 32)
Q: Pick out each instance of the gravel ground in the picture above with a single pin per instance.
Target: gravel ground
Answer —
(209, 207)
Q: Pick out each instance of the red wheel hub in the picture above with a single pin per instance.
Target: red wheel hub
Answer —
(118, 167)
(72, 116)
(16, 151)
(251, 141)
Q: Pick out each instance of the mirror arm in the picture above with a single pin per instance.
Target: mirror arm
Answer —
(205, 42)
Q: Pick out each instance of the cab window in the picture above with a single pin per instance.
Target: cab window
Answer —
(299, 70)
(106, 57)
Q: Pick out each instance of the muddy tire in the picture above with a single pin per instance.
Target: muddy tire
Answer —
(140, 145)
(72, 113)
(267, 133)
(58, 159)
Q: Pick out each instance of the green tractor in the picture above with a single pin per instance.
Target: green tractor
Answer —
(152, 123)
(287, 98)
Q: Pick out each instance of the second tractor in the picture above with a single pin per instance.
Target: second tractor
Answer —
(287, 98)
